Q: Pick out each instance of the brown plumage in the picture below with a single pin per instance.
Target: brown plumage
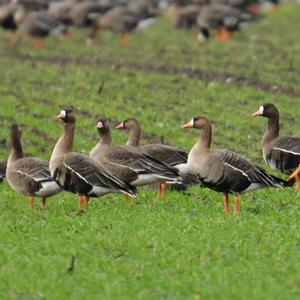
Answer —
(79, 174)
(225, 171)
(280, 153)
(29, 176)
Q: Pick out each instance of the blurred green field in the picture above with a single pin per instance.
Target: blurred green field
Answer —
(182, 247)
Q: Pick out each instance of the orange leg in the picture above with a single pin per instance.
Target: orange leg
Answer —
(87, 200)
(126, 198)
(162, 189)
(236, 205)
(295, 175)
(43, 204)
(254, 8)
(31, 202)
(125, 39)
(224, 35)
(38, 43)
(226, 204)
(80, 202)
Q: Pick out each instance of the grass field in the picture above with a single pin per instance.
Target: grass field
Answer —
(182, 247)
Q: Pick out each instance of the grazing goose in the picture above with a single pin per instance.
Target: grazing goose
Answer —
(3, 164)
(28, 176)
(149, 169)
(280, 153)
(225, 171)
(170, 156)
(77, 173)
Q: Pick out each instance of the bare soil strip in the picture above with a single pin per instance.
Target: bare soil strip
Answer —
(188, 72)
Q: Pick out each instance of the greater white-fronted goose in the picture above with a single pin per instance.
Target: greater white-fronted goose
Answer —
(123, 20)
(77, 173)
(38, 25)
(280, 153)
(184, 15)
(119, 19)
(226, 19)
(225, 171)
(149, 169)
(169, 155)
(3, 165)
(29, 176)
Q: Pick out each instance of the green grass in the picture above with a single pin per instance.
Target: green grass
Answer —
(182, 247)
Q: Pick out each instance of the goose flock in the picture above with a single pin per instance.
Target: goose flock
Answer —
(41, 18)
(124, 168)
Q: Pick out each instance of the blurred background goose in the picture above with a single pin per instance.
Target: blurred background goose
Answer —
(122, 20)
(29, 176)
(37, 24)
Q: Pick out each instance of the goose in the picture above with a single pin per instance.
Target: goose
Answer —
(76, 172)
(38, 25)
(280, 153)
(224, 18)
(29, 176)
(149, 169)
(169, 155)
(3, 164)
(123, 20)
(225, 171)
(184, 16)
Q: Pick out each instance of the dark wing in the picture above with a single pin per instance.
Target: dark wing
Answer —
(168, 155)
(2, 169)
(284, 154)
(254, 173)
(94, 174)
(141, 162)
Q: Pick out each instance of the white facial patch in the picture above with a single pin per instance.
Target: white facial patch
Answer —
(100, 124)
(192, 122)
(63, 114)
(261, 110)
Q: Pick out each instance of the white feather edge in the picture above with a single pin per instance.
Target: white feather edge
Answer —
(97, 189)
(287, 151)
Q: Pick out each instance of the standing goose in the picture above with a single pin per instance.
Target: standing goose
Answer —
(280, 153)
(77, 173)
(225, 171)
(28, 176)
(169, 155)
(149, 169)
(38, 25)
